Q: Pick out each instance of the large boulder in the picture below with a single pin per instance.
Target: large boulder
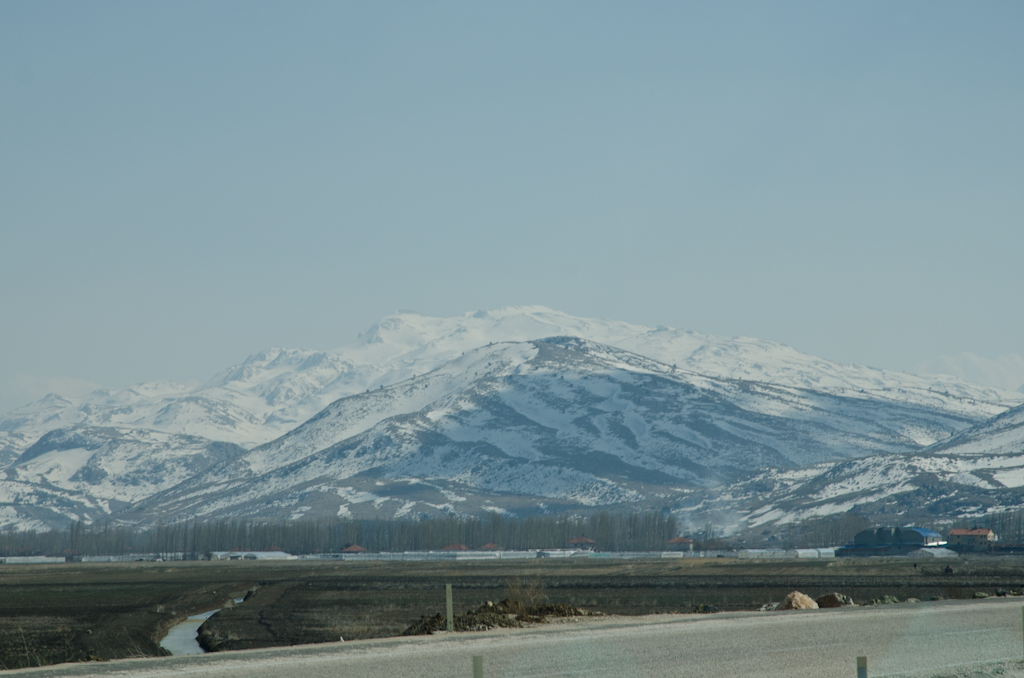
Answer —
(834, 600)
(798, 601)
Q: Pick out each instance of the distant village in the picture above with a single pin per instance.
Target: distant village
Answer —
(910, 542)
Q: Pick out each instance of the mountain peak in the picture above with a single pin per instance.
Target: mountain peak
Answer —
(509, 366)
(560, 420)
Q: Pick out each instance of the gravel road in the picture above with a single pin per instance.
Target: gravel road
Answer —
(926, 640)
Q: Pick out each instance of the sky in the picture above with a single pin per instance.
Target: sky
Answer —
(184, 184)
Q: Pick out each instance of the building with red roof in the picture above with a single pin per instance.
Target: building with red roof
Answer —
(582, 542)
(681, 543)
(975, 539)
(355, 548)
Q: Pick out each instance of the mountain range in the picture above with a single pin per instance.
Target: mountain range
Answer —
(977, 471)
(517, 411)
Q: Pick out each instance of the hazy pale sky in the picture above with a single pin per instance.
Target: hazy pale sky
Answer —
(183, 184)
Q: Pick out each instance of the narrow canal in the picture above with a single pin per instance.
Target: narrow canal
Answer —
(183, 638)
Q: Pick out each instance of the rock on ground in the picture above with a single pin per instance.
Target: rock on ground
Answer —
(885, 600)
(798, 601)
(834, 600)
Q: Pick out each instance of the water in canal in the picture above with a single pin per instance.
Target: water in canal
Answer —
(181, 639)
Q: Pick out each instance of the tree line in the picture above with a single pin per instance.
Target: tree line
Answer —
(818, 532)
(610, 532)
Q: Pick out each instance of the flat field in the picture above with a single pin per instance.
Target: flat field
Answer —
(76, 612)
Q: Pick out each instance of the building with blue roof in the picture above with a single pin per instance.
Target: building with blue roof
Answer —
(891, 541)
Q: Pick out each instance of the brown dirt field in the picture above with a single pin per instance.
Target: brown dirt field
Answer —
(73, 612)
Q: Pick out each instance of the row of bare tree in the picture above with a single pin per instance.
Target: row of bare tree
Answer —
(610, 532)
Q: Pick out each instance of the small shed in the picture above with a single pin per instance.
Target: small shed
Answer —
(490, 547)
(582, 542)
(681, 543)
(455, 547)
(355, 548)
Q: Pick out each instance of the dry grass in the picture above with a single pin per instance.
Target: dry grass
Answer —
(526, 591)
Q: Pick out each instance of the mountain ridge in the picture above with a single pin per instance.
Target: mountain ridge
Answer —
(277, 389)
(397, 423)
(616, 428)
(975, 472)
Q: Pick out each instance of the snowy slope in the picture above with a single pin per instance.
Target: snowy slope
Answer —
(90, 472)
(977, 471)
(38, 506)
(456, 386)
(164, 407)
(274, 391)
(560, 423)
(1003, 434)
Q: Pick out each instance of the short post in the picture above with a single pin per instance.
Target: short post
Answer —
(862, 667)
(1022, 614)
(478, 666)
(448, 607)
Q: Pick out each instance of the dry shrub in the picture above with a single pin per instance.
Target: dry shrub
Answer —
(529, 593)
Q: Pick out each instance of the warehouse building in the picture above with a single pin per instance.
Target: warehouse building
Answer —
(891, 541)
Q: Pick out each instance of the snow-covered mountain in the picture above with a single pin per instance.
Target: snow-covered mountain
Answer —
(275, 390)
(473, 413)
(88, 473)
(561, 423)
(977, 471)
